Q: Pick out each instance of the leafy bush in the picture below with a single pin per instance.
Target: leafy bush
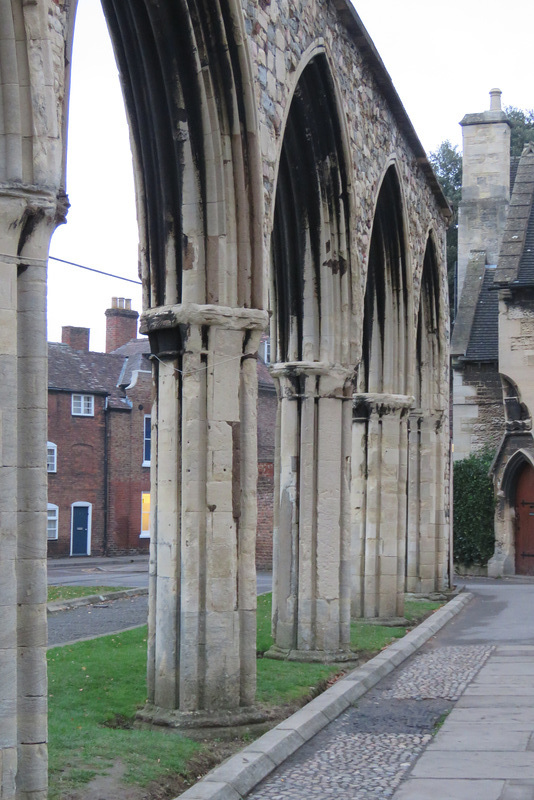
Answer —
(474, 505)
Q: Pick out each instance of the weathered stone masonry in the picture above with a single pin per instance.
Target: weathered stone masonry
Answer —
(239, 112)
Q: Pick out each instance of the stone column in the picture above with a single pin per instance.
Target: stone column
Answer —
(202, 604)
(311, 587)
(414, 502)
(380, 541)
(27, 220)
(427, 549)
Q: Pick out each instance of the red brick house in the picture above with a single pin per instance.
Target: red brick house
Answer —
(98, 459)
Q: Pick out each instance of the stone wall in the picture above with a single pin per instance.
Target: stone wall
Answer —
(283, 37)
(478, 409)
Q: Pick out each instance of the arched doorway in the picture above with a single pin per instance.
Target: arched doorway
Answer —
(524, 521)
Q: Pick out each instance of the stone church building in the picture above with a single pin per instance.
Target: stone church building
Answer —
(279, 183)
(493, 342)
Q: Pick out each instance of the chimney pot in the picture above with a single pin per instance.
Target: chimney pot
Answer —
(121, 323)
(495, 100)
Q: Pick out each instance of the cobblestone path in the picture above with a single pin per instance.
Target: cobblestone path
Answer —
(368, 750)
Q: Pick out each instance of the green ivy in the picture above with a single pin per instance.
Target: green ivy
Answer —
(474, 506)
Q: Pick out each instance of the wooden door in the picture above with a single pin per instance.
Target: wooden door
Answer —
(524, 515)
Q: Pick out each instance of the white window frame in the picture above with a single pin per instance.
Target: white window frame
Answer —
(89, 506)
(51, 457)
(83, 405)
(55, 518)
(267, 351)
(145, 532)
(146, 462)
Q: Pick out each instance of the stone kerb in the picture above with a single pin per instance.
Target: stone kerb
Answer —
(234, 779)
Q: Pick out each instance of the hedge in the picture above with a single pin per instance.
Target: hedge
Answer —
(474, 506)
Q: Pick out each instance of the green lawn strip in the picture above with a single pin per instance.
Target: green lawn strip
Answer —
(416, 610)
(366, 639)
(96, 686)
(71, 592)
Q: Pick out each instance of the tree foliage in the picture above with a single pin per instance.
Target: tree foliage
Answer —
(447, 164)
(522, 128)
(474, 506)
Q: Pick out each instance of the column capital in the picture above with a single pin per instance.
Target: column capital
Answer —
(381, 403)
(331, 379)
(172, 316)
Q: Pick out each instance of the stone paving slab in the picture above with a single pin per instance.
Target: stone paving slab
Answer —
(520, 719)
(480, 690)
(495, 699)
(478, 737)
(450, 790)
(479, 765)
(511, 667)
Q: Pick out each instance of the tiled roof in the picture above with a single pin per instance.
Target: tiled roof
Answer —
(484, 339)
(84, 371)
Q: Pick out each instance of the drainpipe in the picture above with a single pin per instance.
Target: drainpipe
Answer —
(105, 478)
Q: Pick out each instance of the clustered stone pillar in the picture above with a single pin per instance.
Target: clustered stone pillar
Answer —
(202, 615)
(23, 420)
(427, 546)
(311, 569)
(380, 436)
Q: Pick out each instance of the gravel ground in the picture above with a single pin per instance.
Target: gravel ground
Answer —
(87, 622)
(367, 751)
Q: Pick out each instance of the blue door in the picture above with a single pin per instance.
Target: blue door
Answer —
(80, 530)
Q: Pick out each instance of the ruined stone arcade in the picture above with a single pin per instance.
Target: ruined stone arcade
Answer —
(278, 178)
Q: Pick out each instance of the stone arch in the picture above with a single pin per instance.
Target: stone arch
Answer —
(385, 352)
(515, 454)
(381, 404)
(195, 148)
(426, 545)
(311, 268)
(189, 95)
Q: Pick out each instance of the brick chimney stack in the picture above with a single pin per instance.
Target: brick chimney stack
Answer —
(121, 323)
(77, 338)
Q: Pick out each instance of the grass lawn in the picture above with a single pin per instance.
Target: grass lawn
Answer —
(96, 686)
(71, 592)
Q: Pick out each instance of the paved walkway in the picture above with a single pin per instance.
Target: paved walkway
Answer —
(454, 721)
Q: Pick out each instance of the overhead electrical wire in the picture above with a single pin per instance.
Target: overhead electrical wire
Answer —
(92, 269)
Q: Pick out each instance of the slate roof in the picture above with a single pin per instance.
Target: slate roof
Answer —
(136, 354)
(484, 339)
(516, 258)
(526, 265)
(110, 373)
(516, 262)
(85, 372)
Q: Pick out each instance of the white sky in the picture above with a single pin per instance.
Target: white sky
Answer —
(443, 59)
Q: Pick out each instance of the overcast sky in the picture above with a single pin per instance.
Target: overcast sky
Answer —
(443, 59)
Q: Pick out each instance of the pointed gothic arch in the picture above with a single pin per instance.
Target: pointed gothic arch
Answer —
(381, 405)
(311, 278)
(426, 545)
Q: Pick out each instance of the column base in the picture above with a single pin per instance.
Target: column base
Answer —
(202, 723)
(386, 622)
(312, 656)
